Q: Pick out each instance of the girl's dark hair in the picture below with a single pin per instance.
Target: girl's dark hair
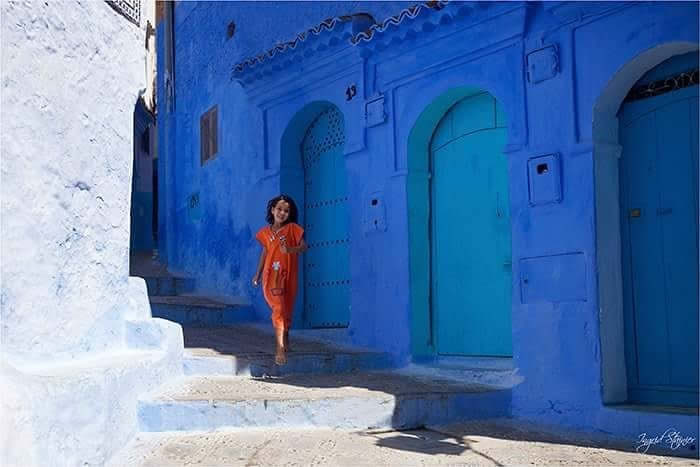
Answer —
(293, 213)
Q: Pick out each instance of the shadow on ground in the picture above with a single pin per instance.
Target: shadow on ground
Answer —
(458, 438)
(425, 406)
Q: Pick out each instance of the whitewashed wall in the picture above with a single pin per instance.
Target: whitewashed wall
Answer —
(73, 361)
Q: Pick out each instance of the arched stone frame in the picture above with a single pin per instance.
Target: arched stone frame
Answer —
(292, 172)
(291, 167)
(505, 83)
(282, 105)
(606, 154)
(422, 113)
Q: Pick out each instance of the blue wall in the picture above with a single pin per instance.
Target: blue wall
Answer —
(549, 65)
(216, 243)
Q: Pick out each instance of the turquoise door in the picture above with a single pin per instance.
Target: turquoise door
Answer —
(326, 263)
(659, 232)
(470, 228)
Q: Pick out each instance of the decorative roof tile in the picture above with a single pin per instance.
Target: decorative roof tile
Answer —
(361, 31)
(409, 13)
(343, 27)
(326, 25)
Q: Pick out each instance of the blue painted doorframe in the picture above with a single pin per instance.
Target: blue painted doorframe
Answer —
(326, 263)
(470, 231)
(659, 222)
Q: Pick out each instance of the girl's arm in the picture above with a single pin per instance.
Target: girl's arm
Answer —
(302, 247)
(258, 271)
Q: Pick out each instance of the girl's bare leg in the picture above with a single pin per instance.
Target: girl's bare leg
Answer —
(286, 341)
(281, 351)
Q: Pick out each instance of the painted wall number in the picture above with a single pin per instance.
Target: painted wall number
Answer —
(350, 92)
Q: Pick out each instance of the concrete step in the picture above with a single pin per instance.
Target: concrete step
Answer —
(357, 400)
(297, 363)
(167, 285)
(495, 377)
(198, 311)
(247, 350)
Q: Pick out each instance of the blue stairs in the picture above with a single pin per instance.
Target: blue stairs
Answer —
(230, 379)
(175, 298)
(193, 310)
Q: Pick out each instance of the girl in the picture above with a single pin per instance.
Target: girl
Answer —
(282, 241)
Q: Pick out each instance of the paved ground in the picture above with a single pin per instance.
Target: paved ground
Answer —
(497, 442)
(481, 444)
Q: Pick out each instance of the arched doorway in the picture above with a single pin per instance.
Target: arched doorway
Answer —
(313, 173)
(468, 241)
(658, 174)
(326, 263)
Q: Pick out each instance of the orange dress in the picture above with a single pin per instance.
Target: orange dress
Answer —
(280, 271)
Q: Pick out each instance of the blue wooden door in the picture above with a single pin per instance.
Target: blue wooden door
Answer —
(470, 228)
(326, 263)
(659, 232)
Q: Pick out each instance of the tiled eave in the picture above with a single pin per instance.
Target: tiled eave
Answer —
(420, 12)
(328, 35)
(432, 18)
(410, 23)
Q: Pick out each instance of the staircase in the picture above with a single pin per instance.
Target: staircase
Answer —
(230, 380)
(174, 298)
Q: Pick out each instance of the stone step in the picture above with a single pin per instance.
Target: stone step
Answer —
(297, 363)
(167, 285)
(496, 377)
(198, 311)
(357, 400)
(247, 350)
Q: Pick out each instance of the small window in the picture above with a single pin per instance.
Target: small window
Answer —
(209, 135)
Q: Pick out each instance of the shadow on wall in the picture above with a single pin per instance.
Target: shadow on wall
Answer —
(144, 192)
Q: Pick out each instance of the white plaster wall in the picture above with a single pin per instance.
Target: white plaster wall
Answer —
(78, 345)
(82, 412)
(71, 73)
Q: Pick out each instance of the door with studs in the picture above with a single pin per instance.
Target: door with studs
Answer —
(326, 262)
